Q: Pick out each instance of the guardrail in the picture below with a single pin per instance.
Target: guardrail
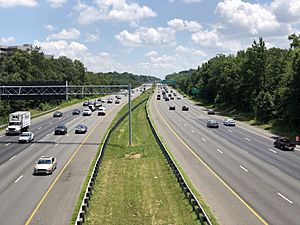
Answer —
(36, 115)
(196, 206)
(81, 216)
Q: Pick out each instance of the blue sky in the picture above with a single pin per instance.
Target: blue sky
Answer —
(155, 37)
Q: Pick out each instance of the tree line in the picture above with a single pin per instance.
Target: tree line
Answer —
(34, 66)
(261, 83)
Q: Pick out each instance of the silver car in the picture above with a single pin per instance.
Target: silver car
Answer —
(229, 122)
(26, 137)
(45, 165)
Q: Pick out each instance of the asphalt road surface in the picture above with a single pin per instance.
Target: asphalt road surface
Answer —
(241, 176)
(49, 199)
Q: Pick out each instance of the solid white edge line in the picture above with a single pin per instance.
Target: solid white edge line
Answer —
(285, 198)
(219, 151)
(247, 139)
(12, 157)
(275, 168)
(243, 168)
(20, 177)
(272, 151)
(7, 144)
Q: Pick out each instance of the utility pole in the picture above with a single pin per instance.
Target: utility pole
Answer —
(129, 114)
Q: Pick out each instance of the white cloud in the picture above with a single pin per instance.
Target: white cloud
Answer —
(186, 50)
(56, 3)
(49, 27)
(179, 24)
(92, 37)
(191, 1)
(117, 10)
(147, 36)
(151, 54)
(7, 40)
(13, 3)
(252, 18)
(65, 34)
(286, 11)
(74, 50)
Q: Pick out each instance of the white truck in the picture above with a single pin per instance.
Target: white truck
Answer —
(18, 122)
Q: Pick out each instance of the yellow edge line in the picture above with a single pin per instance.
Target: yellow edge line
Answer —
(213, 172)
(58, 176)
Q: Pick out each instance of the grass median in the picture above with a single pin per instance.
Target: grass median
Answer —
(135, 184)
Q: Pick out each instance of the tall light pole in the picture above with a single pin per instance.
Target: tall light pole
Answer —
(129, 114)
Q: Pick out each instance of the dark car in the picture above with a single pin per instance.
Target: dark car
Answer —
(60, 129)
(171, 107)
(212, 124)
(81, 129)
(167, 99)
(75, 112)
(284, 143)
(211, 112)
(109, 100)
(117, 101)
(185, 108)
(57, 114)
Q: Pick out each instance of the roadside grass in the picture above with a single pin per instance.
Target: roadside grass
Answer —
(85, 183)
(135, 184)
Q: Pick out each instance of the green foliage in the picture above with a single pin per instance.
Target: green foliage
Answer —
(259, 82)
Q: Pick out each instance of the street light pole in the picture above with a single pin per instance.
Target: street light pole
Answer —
(129, 114)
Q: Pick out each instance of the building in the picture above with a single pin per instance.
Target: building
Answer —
(9, 50)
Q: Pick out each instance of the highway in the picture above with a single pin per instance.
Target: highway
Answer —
(241, 176)
(49, 199)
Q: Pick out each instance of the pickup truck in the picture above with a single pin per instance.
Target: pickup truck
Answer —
(284, 144)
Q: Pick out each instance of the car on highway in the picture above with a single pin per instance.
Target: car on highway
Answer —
(171, 107)
(109, 100)
(45, 165)
(284, 143)
(118, 97)
(229, 122)
(212, 124)
(102, 111)
(26, 137)
(75, 112)
(86, 112)
(185, 108)
(57, 114)
(211, 112)
(86, 103)
(117, 101)
(167, 99)
(81, 129)
(60, 129)
(178, 97)
(103, 100)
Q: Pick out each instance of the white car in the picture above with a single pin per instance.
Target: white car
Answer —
(229, 122)
(103, 100)
(26, 137)
(45, 165)
(102, 111)
(86, 112)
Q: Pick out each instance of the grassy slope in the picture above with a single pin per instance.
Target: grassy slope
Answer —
(135, 184)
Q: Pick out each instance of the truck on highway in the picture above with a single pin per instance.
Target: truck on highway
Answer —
(18, 122)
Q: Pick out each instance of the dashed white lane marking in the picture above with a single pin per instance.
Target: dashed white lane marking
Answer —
(68, 135)
(12, 158)
(193, 131)
(47, 135)
(55, 144)
(285, 198)
(32, 144)
(7, 144)
(39, 128)
(243, 168)
(203, 139)
(50, 123)
(272, 150)
(179, 120)
(219, 151)
(184, 124)
(275, 168)
(247, 139)
(20, 177)
(230, 131)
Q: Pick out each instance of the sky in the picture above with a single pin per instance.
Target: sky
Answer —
(144, 37)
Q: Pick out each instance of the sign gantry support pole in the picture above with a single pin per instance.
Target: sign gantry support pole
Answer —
(129, 115)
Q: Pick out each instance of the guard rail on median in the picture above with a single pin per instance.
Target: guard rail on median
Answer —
(196, 206)
(81, 216)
